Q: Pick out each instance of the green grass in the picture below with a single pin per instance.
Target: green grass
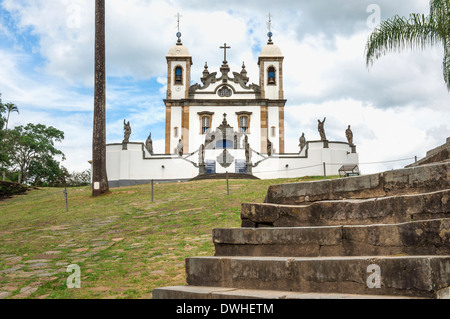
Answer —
(125, 244)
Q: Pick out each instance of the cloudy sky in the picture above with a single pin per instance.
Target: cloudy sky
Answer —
(398, 109)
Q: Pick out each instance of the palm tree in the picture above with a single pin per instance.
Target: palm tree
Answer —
(10, 107)
(417, 32)
(99, 176)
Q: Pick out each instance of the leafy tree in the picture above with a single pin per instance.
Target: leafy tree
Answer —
(79, 178)
(416, 32)
(33, 152)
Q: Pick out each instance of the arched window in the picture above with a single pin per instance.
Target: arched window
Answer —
(178, 75)
(243, 123)
(271, 76)
(273, 131)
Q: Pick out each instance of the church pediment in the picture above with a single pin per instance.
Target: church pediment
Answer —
(212, 84)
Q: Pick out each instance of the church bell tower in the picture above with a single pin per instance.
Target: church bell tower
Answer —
(270, 64)
(179, 63)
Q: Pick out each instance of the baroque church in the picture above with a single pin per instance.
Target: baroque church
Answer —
(225, 124)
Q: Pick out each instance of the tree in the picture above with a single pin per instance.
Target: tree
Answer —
(10, 107)
(2, 110)
(99, 177)
(32, 152)
(417, 32)
(3, 156)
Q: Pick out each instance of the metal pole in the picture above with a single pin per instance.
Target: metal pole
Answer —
(324, 171)
(152, 190)
(228, 187)
(67, 199)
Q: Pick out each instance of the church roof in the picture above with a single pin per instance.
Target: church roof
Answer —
(178, 50)
(270, 50)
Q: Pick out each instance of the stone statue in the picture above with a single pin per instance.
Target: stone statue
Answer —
(209, 139)
(269, 147)
(149, 144)
(127, 131)
(302, 141)
(322, 130)
(247, 149)
(201, 154)
(180, 148)
(349, 135)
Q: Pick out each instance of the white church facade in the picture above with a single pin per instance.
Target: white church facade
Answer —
(225, 124)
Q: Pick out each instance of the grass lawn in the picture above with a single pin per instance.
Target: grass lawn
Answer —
(125, 244)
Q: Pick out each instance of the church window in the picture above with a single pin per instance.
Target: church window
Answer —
(175, 132)
(224, 91)
(273, 131)
(271, 76)
(206, 124)
(178, 75)
(243, 124)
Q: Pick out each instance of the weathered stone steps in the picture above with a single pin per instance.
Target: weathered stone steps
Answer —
(411, 276)
(427, 178)
(390, 209)
(430, 237)
(200, 292)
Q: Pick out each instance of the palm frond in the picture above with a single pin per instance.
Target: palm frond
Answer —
(399, 33)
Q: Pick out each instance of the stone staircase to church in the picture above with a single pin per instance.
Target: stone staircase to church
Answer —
(383, 235)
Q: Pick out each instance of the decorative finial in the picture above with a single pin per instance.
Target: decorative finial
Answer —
(269, 26)
(178, 28)
(205, 73)
(224, 122)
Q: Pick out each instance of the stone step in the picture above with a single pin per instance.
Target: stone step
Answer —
(430, 237)
(426, 178)
(196, 292)
(390, 209)
(412, 276)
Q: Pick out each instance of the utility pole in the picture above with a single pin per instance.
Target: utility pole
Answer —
(99, 178)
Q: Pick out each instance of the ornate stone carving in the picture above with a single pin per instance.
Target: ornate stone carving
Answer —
(349, 135)
(302, 141)
(247, 150)
(149, 144)
(321, 129)
(225, 159)
(180, 148)
(127, 131)
(269, 148)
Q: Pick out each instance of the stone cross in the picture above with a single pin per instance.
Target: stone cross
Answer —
(225, 47)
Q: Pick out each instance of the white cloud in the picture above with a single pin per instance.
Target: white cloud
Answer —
(397, 109)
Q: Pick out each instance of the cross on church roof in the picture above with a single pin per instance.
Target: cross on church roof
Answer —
(225, 47)
(269, 23)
